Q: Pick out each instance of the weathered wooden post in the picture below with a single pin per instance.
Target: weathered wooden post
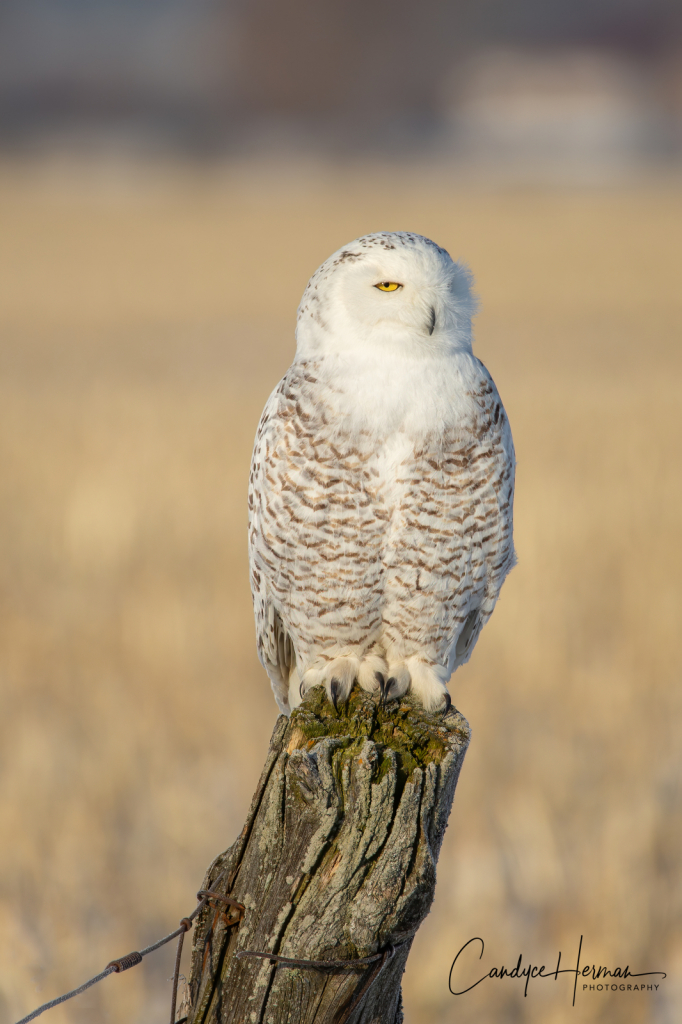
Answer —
(336, 862)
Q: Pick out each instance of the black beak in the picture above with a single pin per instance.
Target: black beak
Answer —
(432, 322)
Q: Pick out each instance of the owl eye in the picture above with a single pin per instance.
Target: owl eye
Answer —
(388, 286)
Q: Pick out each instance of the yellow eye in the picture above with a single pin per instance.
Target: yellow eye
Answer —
(388, 286)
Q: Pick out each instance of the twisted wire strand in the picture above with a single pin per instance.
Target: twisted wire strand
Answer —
(319, 964)
(387, 954)
(379, 960)
(176, 973)
(124, 963)
(207, 897)
(67, 995)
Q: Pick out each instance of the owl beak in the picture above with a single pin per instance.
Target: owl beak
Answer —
(432, 320)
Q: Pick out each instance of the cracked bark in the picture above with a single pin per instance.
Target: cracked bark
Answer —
(337, 860)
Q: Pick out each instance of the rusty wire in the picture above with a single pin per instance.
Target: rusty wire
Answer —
(387, 954)
(176, 973)
(320, 965)
(233, 913)
(379, 959)
(124, 963)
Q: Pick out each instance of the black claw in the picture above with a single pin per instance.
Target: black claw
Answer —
(448, 703)
(335, 687)
(382, 686)
(390, 684)
(301, 691)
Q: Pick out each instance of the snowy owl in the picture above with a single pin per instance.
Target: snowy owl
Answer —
(382, 482)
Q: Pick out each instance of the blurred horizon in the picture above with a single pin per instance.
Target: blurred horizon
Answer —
(574, 85)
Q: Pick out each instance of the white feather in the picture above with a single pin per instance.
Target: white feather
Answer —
(382, 481)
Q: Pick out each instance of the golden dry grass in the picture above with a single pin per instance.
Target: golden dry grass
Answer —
(146, 314)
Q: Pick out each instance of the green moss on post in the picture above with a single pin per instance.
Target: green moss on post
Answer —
(416, 738)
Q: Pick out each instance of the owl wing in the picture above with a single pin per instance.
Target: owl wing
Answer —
(316, 525)
(274, 646)
(488, 487)
(451, 546)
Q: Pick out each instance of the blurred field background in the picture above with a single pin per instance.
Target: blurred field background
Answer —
(145, 316)
(170, 176)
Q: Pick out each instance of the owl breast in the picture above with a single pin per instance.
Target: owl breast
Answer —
(377, 542)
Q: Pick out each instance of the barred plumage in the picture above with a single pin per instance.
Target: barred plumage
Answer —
(381, 490)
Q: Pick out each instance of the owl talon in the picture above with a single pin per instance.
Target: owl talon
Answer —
(391, 684)
(381, 679)
(397, 683)
(334, 691)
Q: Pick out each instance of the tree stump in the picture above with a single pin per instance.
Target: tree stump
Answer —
(336, 861)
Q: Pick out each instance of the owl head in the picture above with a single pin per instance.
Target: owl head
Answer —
(394, 292)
